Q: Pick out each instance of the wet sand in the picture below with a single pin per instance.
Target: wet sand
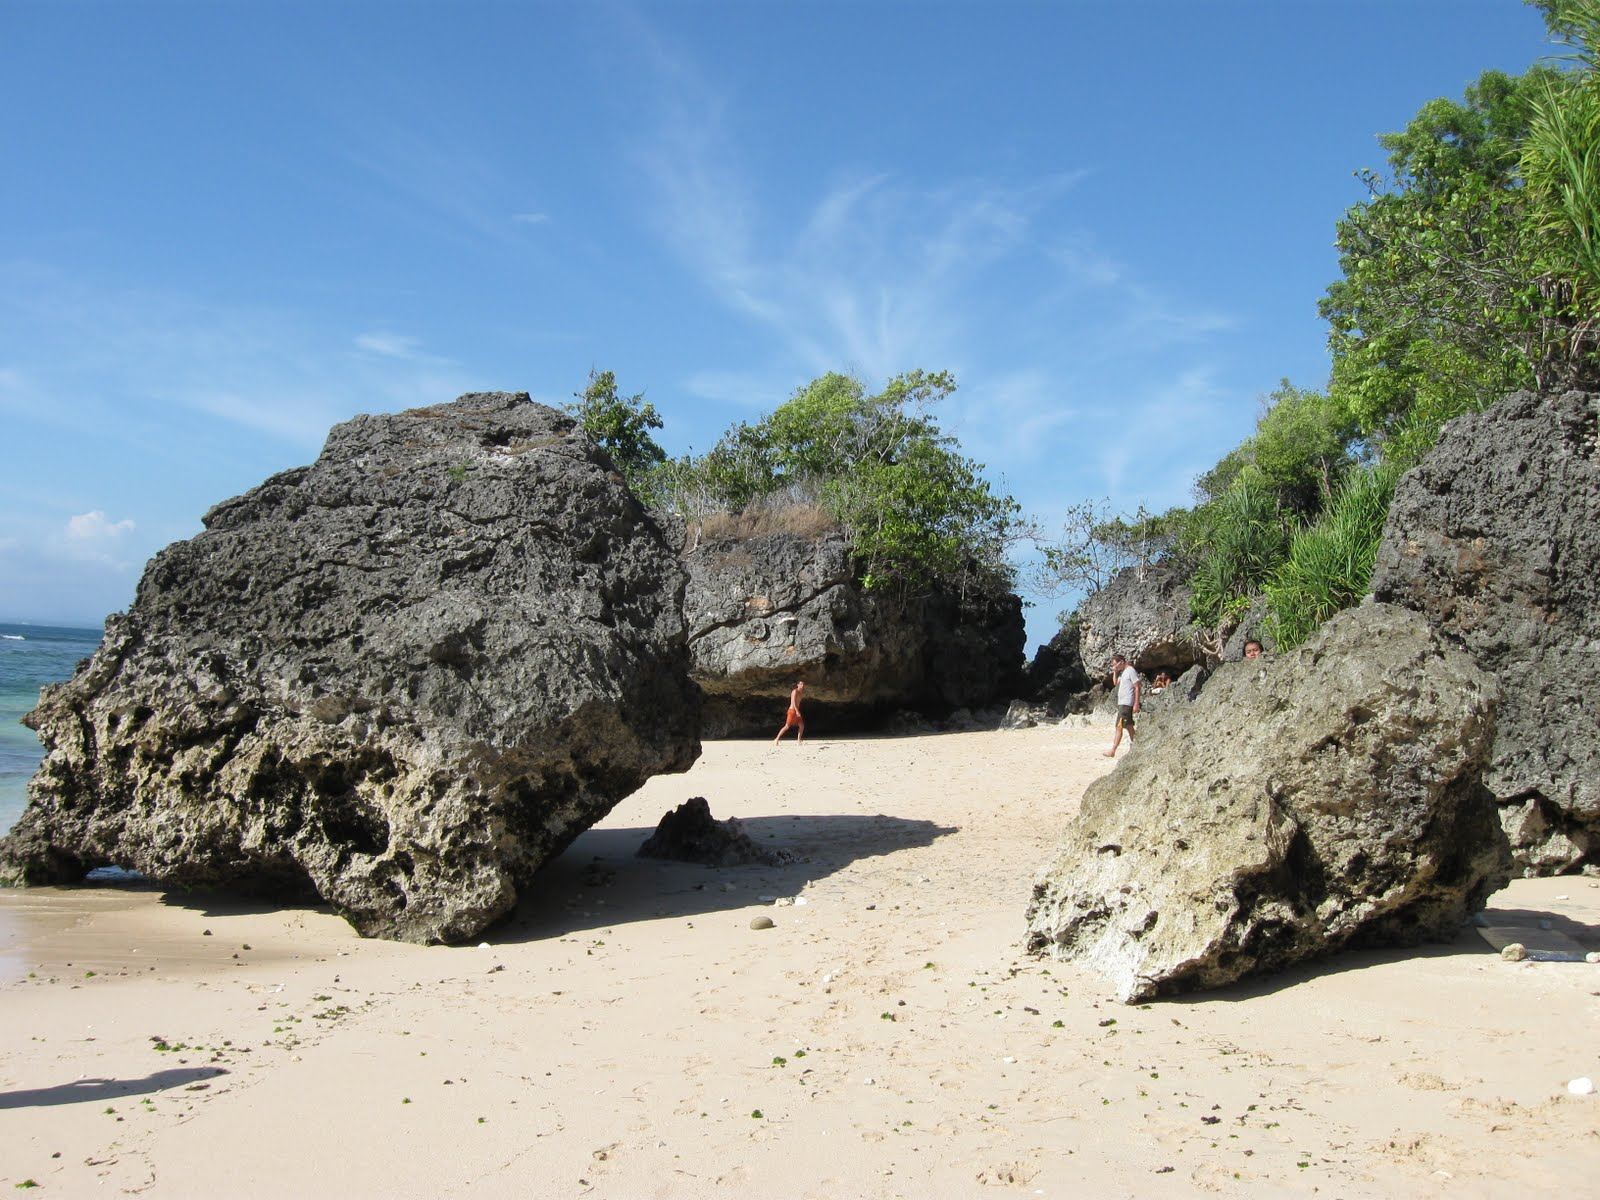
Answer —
(627, 1034)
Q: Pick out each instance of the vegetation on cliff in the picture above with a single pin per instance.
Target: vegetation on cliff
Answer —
(919, 514)
(1471, 269)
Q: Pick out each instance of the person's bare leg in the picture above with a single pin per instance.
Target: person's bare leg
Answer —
(1116, 740)
(800, 733)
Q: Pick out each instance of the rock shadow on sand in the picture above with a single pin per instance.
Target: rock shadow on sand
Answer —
(1467, 942)
(600, 881)
(98, 1091)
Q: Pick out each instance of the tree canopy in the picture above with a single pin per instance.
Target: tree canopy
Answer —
(919, 514)
(620, 424)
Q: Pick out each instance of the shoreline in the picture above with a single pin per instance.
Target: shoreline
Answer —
(619, 1034)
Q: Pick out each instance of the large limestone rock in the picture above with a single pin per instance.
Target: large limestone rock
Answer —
(1327, 799)
(768, 609)
(401, 678)
(1495, 537)
(1143, 612)
(1056, 678)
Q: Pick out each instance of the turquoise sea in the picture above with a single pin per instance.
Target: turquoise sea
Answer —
(30, 657)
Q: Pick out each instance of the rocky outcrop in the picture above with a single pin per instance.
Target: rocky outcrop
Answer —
(1056, 679)
(768, 609)
(1327, 799)
(1182, 691)
(1495, 538)
(1253, 625)
(400, 679)
(690, 834)
(1143, 612)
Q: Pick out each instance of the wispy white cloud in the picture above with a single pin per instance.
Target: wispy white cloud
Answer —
(878, 273)
(93, 537)
(388, 345)
(530, 218)
(755, 391)
(94, 526)
(1149, 429)
(1013, 417)
(436, 176)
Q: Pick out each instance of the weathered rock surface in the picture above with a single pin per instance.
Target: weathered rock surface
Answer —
(1184, 690)
(1056, 678)
(1252, 625)
(1495, 538)
(766, 610)
(1142, 613)
(1327, 799)
(401, 678)
(690, 834)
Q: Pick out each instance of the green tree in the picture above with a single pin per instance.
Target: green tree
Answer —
(1302, 446)
(620, 425)
(1438, 310)
(919, 514)
(1097, 542)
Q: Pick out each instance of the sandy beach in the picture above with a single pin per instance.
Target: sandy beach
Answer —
(629, 1034)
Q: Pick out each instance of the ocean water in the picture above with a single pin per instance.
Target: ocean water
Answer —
(30, 657)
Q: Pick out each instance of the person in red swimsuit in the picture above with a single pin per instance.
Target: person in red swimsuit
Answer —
(794, 720)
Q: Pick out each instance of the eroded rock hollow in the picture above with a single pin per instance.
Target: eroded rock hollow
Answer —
(768, 609)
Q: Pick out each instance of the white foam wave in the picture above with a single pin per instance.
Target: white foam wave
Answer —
(13, 637)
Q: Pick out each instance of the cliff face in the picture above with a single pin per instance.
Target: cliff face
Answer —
(766, 610)
(401, 679)
(1325, 799)
(1142, 613)
(1495, 538)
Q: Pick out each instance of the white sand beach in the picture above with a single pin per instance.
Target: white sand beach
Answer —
(628, 1034)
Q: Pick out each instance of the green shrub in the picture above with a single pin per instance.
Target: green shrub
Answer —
(1330, 563)
(918, 513)
(1238, 539)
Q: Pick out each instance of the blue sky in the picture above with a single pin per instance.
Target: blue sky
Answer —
(226, 226)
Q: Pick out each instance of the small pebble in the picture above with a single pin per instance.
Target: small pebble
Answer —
(801, 901)
(1515, 952)
(483, 945)
(1581, 1086)
(761, 923)
(1593, 956)
(783, 902)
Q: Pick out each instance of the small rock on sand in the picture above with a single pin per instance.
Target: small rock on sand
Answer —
(1514, 952)
(1582, 1086)
(761, 923)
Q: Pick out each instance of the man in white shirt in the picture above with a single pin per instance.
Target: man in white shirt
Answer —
(1129, 688)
